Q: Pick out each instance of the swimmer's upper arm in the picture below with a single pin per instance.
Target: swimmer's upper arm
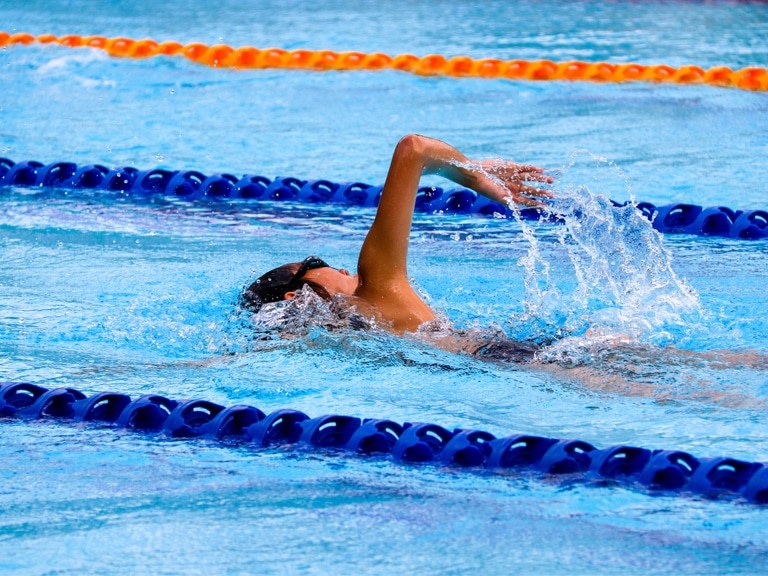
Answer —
(383, 257)
(385, 250)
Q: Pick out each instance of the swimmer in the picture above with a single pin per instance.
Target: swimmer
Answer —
(381, 289)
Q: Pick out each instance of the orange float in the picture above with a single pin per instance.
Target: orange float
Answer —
(244, 57)
(602, 72)
(119, 47)
(542, 70)
(169, 48)
(688, 75)
(376, 61)
(95, 42)
(71, 40)
(487, 68)
(351, 60)
(273, 58)
(459, 66)
(324, 60)
(143, 49)
(47, 39)
(406, 62)
(719, 76)
(217, 56)
(195, 51)
(222, 56)
(299, 58)
(630, 72)
(751, 79)
(515, 69)
(21, 38)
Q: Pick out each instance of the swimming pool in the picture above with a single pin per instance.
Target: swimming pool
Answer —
(115, 294)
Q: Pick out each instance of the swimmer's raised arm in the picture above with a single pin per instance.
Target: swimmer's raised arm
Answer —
(383, 257)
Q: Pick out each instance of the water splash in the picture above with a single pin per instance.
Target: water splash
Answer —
(305, 314)
(619, 278)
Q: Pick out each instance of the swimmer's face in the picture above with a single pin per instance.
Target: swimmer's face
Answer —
(334, 281)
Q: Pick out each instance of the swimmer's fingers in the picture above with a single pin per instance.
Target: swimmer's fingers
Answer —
(506, 182)
(536, 177)
(528, 195)
(533, 191)
(512, 171)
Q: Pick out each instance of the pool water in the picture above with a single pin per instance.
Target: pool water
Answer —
(101, 292)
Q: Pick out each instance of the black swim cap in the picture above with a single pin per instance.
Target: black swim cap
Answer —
(275, 284)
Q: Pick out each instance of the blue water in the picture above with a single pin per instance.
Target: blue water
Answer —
(105, 293)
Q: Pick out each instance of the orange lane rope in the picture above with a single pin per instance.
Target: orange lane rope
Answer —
(222, 56)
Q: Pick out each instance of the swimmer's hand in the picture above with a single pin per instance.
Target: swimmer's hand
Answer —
(507, 182)
(499, 180)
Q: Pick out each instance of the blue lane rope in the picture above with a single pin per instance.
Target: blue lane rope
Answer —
(665, 471)
(194, 185)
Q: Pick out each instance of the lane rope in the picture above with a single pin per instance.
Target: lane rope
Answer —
(659, 471)
(223, 56)
(193, 185)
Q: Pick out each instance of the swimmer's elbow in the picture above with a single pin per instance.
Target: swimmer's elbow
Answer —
(411, 148)
(425, 154)
(411, 143)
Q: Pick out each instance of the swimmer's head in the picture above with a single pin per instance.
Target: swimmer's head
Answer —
(283, 282)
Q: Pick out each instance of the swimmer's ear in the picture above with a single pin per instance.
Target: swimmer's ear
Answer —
(289, 295)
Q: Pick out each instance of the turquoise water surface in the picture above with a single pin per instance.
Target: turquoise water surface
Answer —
(103, 292)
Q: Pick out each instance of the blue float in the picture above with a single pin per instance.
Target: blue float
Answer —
(185, 183)
(756, 490)
(467, 448)
(330, 431)
(57, 403)
(567, 457)
(189, 417)
(56, 174)
(668, 470)
(252, 187)
(104, 407)
(519, 450)
(15, 396)
(420, 442)
(284, 189)
(147, 413)
(619, 462)
(719, 476)
(193, 185)
(21, 174)
(751, 225)
(279, 427)
(152, 181)
(232, 422)
(375, 436)
(121, 179)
